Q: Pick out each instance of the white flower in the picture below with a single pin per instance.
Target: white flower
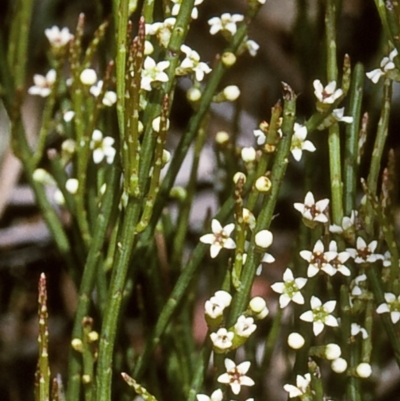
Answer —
(252, 47)
(110, 97)
(58, 38)
(338, 114)
(43, 84)
(356, 329)
(318, 260)
(193, 64)
(217, 395)
(387, 64)
(299, 142)
(320, 315)
(261, 138)
(88, 76)
(102, 147)
(162, 30)
(219, 238)
(71, 185)
(289, 289)
(214, 307)
(348, 223)
(311, 210)
(326, 95)
(245, 326)
(248, 217)
(222, 339)
(153, 72)
(68, 116)
(301, 388)
(337, 262)
(227, 22)
(235, 375)
(364, 253)
(177, 6)
(391, 306)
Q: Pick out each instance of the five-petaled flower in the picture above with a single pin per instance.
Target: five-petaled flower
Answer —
(222, 339)
(392, 306)
(235, 375)
(162, 30)
(153, 72)
(290, 289)
(337, 262)
(58, 38)
(226, 23)
(219, 238)
(214, 307)
(301, 388)
(191, 63)
(217, 395)
(313, 211)
(387, 64)
(328, 94)
(43, 84)
(177, 6)
(102, 147)
(318, 260)
(320, 315)
(364, 253)
(244, 326)
(299, 142)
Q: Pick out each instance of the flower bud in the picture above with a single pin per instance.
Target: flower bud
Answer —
(148, 48)
(239, 176)
(228, 59)
(193, 95)
(166, 157)
(231, 93)
(88, 76)
(332, 351)
(156, 124)
(77, 344)
(339, 365)
(364, 370)
(248, 154)
(72, 185)
(222, 137)
(295, 340)
(264, 238)
(258, 307)
(263, 184)
(178, 193)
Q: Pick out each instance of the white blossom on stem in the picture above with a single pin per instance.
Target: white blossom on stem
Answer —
(364, 253)
(327, 94)
(299, 142)
(102, 147)
(58, 38)
(177, 6)
(392, 306)
(235, 375)
(162, 30)
(337, 262)
(215, 306)
(43, 84)
(320, 315)
(387, 65)
(222, 339)
(301, 388)
(153, 72)
(244, 326)
(191, 63)
(318, 260)
(219, 238)
(227, 22)
(311, 210)
(290, 289)
(217, 395)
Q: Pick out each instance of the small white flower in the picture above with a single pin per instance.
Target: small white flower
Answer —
(261, 138)
(387, 64)
(319, 260)
(245, 326)
(320, 315)
(43, 84)
(162, 30)
(252, 47)
(110, 97)
(217, 395)
(301, 388)
(219, 238)
(58, 38)
(102, 147)
(338, 114)
(177, 6)
(391, 306)
(356, 329)
(348, 223)
(235, 375)
(193, 64)
(327, 94)
(311, 210)
(222, 339)
(88, 76)
(153, 72)
(264, 238)
(337, 262)
(248, 217)
(290, 289)
(295, 340)
(299, 142)
(364, 253)
(215, 306)
(227, 22)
